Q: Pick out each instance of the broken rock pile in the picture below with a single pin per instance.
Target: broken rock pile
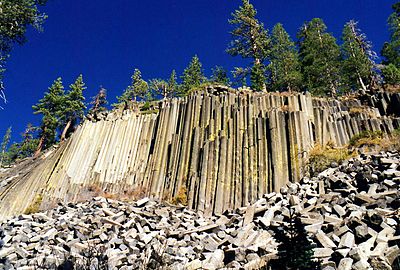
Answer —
(351, 213)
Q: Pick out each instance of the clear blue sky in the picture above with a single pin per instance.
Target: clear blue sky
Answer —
(106, 40)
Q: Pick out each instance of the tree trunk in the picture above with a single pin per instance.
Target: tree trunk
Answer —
(2, 158)
(64, 133)
(39, 147)
(361, 82)
(165, 93)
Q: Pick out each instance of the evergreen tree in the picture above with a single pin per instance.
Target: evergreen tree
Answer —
(319, 58)
(295, 250)
(29, 144)
(193, 76)
(358, 58)
(15, 18)
(391, 75)
(284, 67)
(24, 149)
(74, 106)
(250, 40)
(51, 106)
(137, 89)
(257, 77)
(240, 76)
(4, 144)
(391, 50)
(219, 75)
(99, 102)
(160, 87)
(172, 84)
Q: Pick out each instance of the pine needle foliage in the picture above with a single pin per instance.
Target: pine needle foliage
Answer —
(16, 16)
(73, 106)
(284, 66)
(4, 145)
(99, 102)
(137, 89)
(295, 250)
(358, 58)
(250, 40)
(220, 76)
(391, 49)
(192, 77)
(319, 58)
(51, 107)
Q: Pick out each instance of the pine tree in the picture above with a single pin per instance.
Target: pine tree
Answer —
(15, 18)
(193, 76)
(51, 106)
(3, 146)
(74, 106)
(295, 250)
(29, 144)
(358, 58)
(319, 58)
(137, 89)
(160, 87)
(240, 76)
(23, 149)
(391, 75)
(172, 84)
(219, 75)
(250, 40)
(257, 77)
(391, 50)
(284, 66)
(99, 102)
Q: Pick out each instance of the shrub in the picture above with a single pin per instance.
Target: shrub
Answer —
(34, 207)
(366, 138)
(146, 106)
(321, 157)
(391, 74)
(357, 110)
(395, 139)
(181, 197)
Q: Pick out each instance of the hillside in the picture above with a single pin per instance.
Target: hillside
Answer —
(213, 150)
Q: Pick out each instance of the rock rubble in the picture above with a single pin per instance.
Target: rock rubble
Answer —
(350, 211)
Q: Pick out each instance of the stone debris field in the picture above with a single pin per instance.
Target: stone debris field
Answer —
(350, 211)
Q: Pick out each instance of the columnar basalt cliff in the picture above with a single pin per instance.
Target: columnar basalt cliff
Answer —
(224, 148)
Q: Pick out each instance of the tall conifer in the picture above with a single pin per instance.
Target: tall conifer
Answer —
(193, 76)
(74, 106)
(137, 89)
(250, 40)
(4, 145)
(172, 84)
(51, 106)
(284, 67)
(99, 102)
(319, 58)
(391, 49)
(160, 87)
(219, 75)
(358, 58)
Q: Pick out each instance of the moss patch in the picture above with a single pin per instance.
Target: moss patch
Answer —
(34, 207)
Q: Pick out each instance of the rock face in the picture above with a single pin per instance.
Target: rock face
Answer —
(223, 148)
(351, 213)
